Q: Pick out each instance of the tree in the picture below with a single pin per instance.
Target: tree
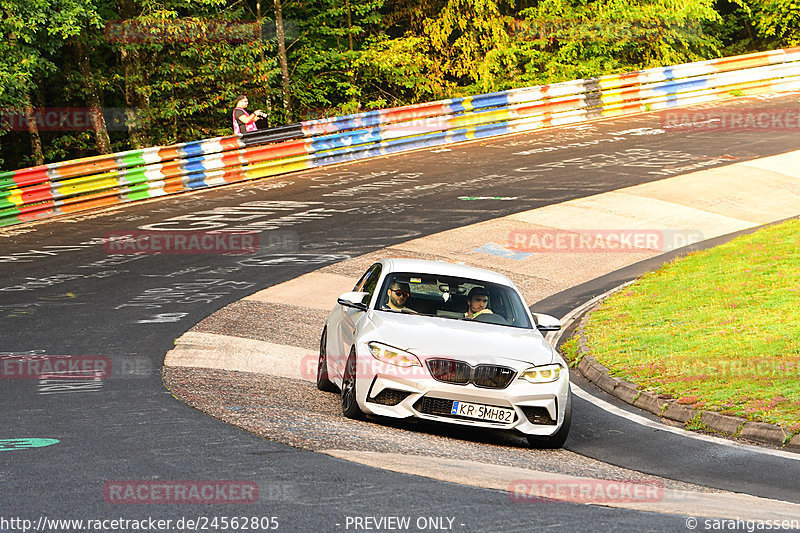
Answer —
(559, 40)
(469, 36)
(22, 61)
(323, 64)
(35, 34)
(280, 37)
(776, 21)
(195, 66)
(175, 66)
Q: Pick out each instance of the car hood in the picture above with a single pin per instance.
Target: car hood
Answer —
(474, 342)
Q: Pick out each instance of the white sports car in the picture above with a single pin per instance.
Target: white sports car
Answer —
(448, 343)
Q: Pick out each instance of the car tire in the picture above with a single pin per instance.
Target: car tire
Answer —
(350, 407)
(557, 439)
(323, 383)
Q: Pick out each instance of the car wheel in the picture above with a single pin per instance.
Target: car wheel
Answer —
(323, 383)
(350, 407)
(558, 439)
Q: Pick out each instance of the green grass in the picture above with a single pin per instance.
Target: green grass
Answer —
(717, 329)
(569, 349)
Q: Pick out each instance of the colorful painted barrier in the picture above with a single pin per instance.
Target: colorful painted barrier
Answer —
(66, 187)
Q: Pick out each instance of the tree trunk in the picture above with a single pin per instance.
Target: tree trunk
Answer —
(261, 57)
(350, 41)
(92, 97)
(287, 106)
(349, 26)
(137, 104)
(33, 129)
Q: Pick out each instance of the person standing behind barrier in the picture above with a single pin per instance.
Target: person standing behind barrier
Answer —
(243, 122)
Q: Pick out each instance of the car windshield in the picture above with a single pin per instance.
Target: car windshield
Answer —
(452, 297)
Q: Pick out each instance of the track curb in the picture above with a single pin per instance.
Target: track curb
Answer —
(667, 408)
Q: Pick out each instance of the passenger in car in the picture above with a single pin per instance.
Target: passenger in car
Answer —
(398, 293)
(477, 303)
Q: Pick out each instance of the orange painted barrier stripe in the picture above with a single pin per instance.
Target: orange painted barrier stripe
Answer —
(173, 185)
(89, 201)
(169, 153)
(741, 62)
(275, 151)
(31, 176)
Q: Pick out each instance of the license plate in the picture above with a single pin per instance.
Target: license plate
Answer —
(483, 412)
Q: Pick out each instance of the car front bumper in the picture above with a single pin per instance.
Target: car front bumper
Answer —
(539, 408)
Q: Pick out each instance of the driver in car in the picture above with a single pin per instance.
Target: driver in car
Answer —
(398, 293)
(477, 303)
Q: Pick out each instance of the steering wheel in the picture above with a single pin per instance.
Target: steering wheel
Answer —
(491, 318)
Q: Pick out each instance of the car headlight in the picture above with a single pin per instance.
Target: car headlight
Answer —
(393, 356)
(542, 374)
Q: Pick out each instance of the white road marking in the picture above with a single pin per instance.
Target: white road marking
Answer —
(676, 430)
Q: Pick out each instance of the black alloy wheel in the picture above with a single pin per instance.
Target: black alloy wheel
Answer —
(350, 407)
(323, 383)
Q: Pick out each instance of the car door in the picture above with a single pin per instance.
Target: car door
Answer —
(350, 317)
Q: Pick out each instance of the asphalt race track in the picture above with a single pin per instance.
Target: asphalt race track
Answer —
(62, 293)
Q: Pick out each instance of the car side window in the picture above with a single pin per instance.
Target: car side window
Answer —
(369, 280)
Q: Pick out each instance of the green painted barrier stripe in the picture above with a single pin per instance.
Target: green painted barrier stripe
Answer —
(137, 195)
(133, 159)
(7, 445)
(136, 192)
(8, 221)
(134, 176)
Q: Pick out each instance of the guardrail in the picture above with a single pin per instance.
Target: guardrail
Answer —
(70, 186)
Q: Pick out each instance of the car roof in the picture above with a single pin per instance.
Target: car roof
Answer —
(442, 268)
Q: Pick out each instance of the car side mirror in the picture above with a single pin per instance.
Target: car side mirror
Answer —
(546, 322)
(353, 299)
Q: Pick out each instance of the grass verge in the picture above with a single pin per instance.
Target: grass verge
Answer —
(717, 329)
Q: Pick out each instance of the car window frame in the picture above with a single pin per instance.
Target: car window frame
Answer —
(493, 286)
(370, 277)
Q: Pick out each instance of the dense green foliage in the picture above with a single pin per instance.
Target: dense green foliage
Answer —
(167, 71)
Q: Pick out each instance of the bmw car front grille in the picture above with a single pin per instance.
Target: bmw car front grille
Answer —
(492, 377)
(450, 371)
(462, 373)
(434, 406)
